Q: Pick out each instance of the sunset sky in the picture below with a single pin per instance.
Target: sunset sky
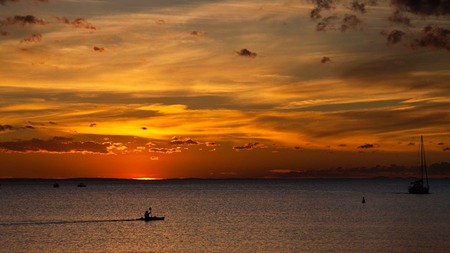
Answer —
(219, 88)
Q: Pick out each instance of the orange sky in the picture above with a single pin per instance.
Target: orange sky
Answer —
(167, 89)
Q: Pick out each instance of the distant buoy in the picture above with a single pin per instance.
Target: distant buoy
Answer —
(363, 200)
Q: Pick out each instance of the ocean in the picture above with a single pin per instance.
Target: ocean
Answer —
(223, 216)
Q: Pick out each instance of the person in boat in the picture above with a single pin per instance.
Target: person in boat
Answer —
(146, 215)
(150, 211)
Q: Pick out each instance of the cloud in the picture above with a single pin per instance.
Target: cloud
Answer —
(179, 141)
(210, 144)
(326, 23)
(246, 53)
(423, 7)
(33, 38)
(99, 49)
(143, 128)
(395, 36)
(433, 38)
(164, 150)
(320, 6)
(160, 22)
(325, 59)
(4, 33)
(358, 6)
(56, 144)
(350, 21)
(92, 124)
(196, 33)
(5, 127)
(77, 23)
(400, 18)
(23, 20)
(366, 146)
(248, 146)
(3, 2)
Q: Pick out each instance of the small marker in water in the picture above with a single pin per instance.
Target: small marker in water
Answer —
(363, 200)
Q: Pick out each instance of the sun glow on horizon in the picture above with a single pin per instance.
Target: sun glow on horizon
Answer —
(147, 178)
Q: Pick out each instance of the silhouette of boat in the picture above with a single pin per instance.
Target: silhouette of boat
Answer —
(420, 186)
(151, 218)
(81, 185)
(55, 185)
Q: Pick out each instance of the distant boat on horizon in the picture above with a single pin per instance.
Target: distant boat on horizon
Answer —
(81, 185)
(420, 186)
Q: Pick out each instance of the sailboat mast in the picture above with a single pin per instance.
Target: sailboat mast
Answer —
(422, 156)
(424, 166)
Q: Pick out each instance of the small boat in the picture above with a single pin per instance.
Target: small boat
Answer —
(55, 185)
(81, 185)
(151, 218)
(421, 186)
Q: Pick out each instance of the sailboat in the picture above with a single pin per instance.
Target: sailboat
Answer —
(421, 186)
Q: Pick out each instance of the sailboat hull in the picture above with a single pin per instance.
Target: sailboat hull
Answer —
(418, 190)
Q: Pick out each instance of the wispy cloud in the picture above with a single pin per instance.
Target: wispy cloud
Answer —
(23, 20)
(54, 145)
(77, 23)
(33, 38)
(248, 146)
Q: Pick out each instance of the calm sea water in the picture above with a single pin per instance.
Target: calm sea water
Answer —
(224, 216)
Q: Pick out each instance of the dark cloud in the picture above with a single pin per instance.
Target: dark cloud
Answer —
(350, 21)
(92, 124)
(77, 23)
(143, 128)
(325, 59)
(446, 149)
(37, 37)
(3, 2)
(197, 33)
(441, 143)
(248, 146)
(395, 36)
(423, 7)
(246, 53)
(56, 144)
(326, 23)
(99, 49)
(433, 38)
(320, 5)
(399, 18)
(411, 144)
(366, 146)
(23, 20)
(4, 33)
(180, 141)
(5, 127)
(358, 6)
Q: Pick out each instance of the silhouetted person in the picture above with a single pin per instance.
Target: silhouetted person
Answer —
(150, 211)
(146, 215)
(363, 200)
